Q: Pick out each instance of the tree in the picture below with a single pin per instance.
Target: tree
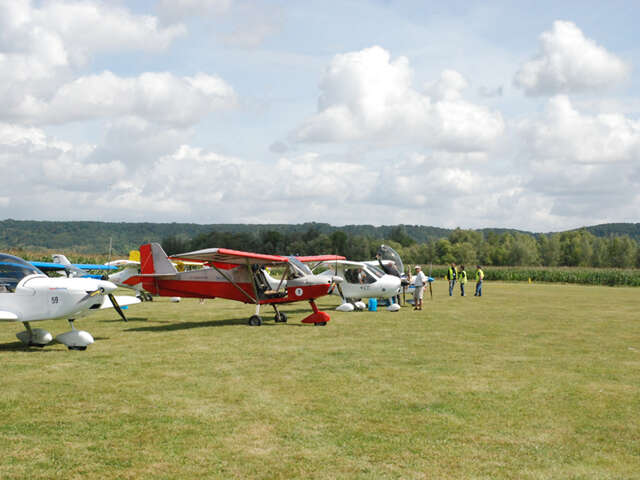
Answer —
(622, 252)
(524, 251)
(175, 244)
(399, 234)
(549, 248)
(339, 242)
(464, 253)
(443, 251)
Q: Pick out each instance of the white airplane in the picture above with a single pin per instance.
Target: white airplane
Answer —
(28, 295)
(131, 269)
(360, 280)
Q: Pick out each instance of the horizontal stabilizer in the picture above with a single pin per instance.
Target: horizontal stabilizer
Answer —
(122, 300)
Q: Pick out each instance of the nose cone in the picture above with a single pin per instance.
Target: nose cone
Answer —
(107, 286)
(392, 283)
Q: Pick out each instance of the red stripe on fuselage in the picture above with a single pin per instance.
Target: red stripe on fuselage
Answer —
(200, 289)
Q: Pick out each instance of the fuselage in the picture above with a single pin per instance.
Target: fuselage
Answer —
(371, 284)
(38, 297)
(235, 284)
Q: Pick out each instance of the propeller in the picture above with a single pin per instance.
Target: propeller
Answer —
(117, 307)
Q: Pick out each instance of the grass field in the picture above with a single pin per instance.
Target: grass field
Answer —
(528, 382)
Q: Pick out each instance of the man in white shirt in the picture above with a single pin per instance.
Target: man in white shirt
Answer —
(419, 282)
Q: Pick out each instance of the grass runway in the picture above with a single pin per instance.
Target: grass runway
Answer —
(529, 382)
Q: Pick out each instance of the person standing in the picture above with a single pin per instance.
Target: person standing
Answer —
(451, 276)
(479, 279)
(419, 282)
(462, 278)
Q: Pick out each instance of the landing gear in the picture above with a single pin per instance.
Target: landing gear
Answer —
(145, 297)
(317, 317)
(280, 317)
(36, 337)
(75, 339)
(255, 321)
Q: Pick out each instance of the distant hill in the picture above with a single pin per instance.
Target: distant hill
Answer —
(615, 229)
(94, 237)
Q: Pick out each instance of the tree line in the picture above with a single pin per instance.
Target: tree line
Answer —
(578, 248)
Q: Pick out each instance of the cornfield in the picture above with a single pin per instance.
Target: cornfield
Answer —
(586, 276)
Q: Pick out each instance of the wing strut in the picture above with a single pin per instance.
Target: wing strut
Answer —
(230, 280)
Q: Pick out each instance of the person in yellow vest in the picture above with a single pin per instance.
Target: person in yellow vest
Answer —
(479, 279)
(451, 276)
(462, 278)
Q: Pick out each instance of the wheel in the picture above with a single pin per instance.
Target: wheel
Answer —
(321, 324)
(281, 317)
(149, 297)
(255, 321)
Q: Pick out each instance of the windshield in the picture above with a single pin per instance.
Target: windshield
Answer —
(14, 269)
(376, 271)
(385, 252)
(298, 269)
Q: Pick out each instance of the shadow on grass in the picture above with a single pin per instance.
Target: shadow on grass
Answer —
(129, 320)
(213, 323)
(21, 347)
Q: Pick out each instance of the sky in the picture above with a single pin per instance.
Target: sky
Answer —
(465, 114)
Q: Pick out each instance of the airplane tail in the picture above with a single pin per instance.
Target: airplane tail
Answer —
(61, 259)
(153, 260)
(72, 271)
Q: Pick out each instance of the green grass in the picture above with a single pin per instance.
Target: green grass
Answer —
(528, 382)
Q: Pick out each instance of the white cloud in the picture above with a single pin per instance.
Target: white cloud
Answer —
(175, 10)
(42, 48)
(567, 136)
(160, 97)
(68, 31)
(368, 97)
(569, 62)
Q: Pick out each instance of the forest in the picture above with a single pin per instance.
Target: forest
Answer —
(577, 248)
(606, 245)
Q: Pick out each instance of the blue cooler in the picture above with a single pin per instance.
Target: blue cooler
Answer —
(373, 304)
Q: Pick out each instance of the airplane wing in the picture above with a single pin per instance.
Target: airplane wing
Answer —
(52, 266)
(320, 258)
(123, 263)
(93, 266)
(48, 266)
(231, 257)
(8, 316)
(348, 263)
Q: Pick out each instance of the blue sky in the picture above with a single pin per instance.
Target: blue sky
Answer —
(469, 114)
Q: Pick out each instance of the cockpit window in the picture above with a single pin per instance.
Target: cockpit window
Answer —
(14, 269)
(298, 269)
(376, 271)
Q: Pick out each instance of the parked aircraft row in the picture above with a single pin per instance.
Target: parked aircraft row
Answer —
(28, 295)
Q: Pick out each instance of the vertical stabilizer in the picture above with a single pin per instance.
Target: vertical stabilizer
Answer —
(61, 259)
(154, 260)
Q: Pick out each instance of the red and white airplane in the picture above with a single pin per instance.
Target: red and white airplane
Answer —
(239, 276)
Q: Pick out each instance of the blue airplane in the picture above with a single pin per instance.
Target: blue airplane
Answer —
(78, 270)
